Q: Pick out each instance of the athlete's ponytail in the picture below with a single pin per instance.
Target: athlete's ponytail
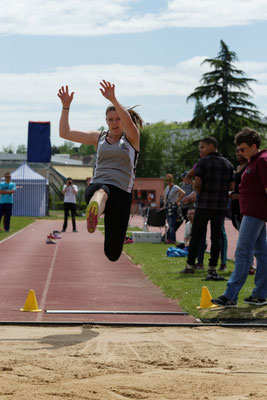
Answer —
(137, 120)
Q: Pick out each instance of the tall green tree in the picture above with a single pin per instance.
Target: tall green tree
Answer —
(231, 108)
(167, 148)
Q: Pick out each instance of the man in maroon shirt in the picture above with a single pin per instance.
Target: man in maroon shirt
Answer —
(252, 234)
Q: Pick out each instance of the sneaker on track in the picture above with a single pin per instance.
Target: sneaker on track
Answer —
(255, 302)
(92, 216)
(49, 240)
(223, 302)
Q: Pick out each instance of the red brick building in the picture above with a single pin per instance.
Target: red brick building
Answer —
(147, 190)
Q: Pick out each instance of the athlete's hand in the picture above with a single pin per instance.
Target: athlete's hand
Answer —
(108, 90)
(65, 97)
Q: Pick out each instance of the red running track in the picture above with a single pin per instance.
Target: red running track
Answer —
(74, 274)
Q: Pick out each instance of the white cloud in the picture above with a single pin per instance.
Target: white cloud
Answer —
(161, 90)
(103, 17)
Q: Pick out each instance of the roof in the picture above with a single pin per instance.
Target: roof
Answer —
(56, 159)
(24, 172)
(77, 173)
(65, 159)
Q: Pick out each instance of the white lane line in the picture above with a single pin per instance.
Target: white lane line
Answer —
(47, 283)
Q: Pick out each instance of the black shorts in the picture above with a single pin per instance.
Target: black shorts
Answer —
(116, 218)
(92, 188)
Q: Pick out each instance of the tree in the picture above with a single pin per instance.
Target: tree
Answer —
(9, 149)
(21, 149)
(86, 149)
(231, 109)
(68, 148)
(167, 148)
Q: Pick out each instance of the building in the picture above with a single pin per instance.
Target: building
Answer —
(62, 166)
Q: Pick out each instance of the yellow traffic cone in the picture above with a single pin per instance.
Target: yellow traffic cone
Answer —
(31, 303)
(205, 301)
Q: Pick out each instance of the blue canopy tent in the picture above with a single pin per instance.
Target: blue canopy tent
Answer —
(31, 196)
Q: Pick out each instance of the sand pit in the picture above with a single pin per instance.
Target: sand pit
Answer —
(106, 363)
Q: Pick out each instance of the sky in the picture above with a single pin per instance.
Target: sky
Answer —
(151, 50)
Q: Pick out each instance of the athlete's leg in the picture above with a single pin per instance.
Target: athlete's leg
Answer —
(96, 196)
(117, 215)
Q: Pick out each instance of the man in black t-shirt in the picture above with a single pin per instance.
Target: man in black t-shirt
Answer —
(214, 177)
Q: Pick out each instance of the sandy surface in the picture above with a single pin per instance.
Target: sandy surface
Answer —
(102, 363)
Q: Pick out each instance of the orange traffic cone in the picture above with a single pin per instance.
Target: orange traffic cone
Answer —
(31, 303)
(205, 301)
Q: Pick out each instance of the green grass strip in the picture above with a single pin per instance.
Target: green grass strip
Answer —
(163, 271)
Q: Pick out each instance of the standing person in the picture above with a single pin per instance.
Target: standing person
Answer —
(7, 190)
(173, 194)
(70, 192)
(224, 247)
(252, 233)
(214, 177)
(110, 189)
(187, 187)
(88, 179)
(236, 216)
(235, 208)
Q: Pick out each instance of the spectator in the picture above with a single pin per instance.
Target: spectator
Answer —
(252, 233)
(88, 179)
(70, 192)
(7, 190)
(187, 187)
(173, 195)
(236, 217)
(214, 176)
(224, 247)
(187, 237)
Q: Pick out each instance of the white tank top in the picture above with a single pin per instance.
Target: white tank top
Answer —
(115, 163)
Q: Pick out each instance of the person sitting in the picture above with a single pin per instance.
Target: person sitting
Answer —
(187, 237)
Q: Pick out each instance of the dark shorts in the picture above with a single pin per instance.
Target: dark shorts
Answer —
(92, 188)
(116, 218)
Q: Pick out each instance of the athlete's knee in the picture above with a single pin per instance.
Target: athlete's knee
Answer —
(112, 255)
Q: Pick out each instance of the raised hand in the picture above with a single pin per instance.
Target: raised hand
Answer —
(108, 90)
(65, 97)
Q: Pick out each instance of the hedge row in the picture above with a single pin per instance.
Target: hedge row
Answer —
(59, 205)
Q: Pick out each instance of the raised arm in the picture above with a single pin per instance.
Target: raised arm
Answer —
(181, 194)
(131, 130)
(65, 132)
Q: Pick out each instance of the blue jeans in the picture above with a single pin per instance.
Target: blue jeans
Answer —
(171, 234)
(251, 240)
(224, 245)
